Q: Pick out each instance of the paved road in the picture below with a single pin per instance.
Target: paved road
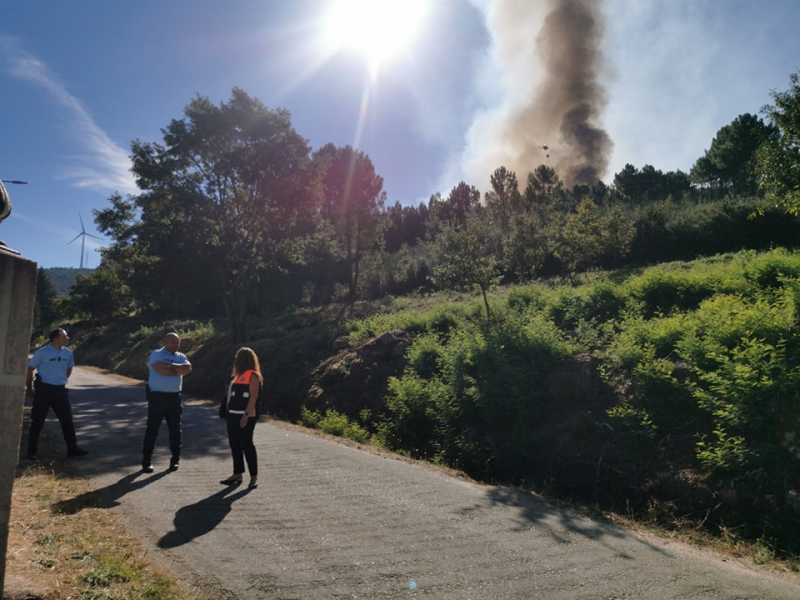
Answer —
(331, 521)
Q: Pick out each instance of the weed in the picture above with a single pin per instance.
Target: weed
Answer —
(763, 552)
(49, 539)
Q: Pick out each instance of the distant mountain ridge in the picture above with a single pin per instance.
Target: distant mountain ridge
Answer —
(63, 278)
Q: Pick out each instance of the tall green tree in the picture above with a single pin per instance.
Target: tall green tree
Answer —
(224, 202)
(778, 159)
(728, 163)
(462, 200)
(44, 309)
(463, 257)
(405, 226)
(593, 234)
(648, 184)
(352, 200)
(503, 201)
(101, 295)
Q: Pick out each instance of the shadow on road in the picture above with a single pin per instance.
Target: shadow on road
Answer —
(111, 420)
(199, 518)
(107, 497)
(537, 512)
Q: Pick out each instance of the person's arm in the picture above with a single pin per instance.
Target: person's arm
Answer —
(255, 389)
(69, 372)
(29, 382)
(172, 369)
(163, 368)
(182, 368)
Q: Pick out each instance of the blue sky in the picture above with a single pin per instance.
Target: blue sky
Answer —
(80, 80)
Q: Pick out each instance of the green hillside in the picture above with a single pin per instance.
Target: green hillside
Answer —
(667, 393)
(63, 278)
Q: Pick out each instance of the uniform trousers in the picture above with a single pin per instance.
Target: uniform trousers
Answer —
(45, 397)
(163, 406)
(242, 446)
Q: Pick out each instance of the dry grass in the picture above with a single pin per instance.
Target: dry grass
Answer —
(85, 555)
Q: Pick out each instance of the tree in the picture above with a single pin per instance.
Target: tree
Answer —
(352, 201)
(728, 163)
(503, 201)
(592, 234)
(463, 259)
(44, 309)
(100, 295)
(405, 226)
(543, 187)
(462, 200)
(777, 164)
(653, 185)
(226, 201)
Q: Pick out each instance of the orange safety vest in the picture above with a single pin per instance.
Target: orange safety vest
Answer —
(240, 393)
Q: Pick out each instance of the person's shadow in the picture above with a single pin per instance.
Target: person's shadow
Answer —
(199, 518)
(107, 497)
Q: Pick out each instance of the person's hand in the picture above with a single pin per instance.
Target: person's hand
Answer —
(28, 392)
(243, 422)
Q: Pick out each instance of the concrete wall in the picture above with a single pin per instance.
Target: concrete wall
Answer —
(17, 294)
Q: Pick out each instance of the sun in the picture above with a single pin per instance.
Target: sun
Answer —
(377, 30)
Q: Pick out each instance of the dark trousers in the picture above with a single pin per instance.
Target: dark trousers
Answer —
(46, 397)
(242, 446)
(163, 406)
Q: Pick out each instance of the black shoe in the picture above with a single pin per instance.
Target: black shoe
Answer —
(232, 480)
(174, 464)
(147, 467)
(76, 452)
(31, 456)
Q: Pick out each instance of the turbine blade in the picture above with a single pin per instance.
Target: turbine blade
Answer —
(75, 238)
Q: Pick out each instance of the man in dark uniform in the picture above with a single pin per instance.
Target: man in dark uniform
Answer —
(167, 368)
(53, 365)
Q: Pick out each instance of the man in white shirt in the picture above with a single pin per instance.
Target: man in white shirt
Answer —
(167, 368)
(53, 364)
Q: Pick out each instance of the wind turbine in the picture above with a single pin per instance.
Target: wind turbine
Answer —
(83, 235)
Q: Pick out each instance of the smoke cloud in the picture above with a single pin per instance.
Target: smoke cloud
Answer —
(547, 61)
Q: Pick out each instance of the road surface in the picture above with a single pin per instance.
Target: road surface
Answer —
(332, 521)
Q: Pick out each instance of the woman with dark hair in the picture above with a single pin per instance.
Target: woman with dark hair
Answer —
(242, 412)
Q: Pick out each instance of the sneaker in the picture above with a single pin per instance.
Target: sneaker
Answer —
(76, 452)
(147, 467)
(30, 456)
(174, 464)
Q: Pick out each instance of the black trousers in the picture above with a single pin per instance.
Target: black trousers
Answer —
(46, 397)
(242, 446)
(163, 406)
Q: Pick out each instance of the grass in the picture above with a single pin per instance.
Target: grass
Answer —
(87, 555)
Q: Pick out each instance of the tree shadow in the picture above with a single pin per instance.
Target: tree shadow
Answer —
(111, 422)
(561, 522)
(198, 519)
(107, 497)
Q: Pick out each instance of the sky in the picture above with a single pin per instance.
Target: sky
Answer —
(79, 81)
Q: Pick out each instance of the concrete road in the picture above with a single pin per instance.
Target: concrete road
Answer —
(333, 521)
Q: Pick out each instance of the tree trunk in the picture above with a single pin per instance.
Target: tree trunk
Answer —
(241, 325)
(350, 283)
(486, 304)
(227, 302)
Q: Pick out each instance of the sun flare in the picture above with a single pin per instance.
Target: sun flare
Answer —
(378, 30)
